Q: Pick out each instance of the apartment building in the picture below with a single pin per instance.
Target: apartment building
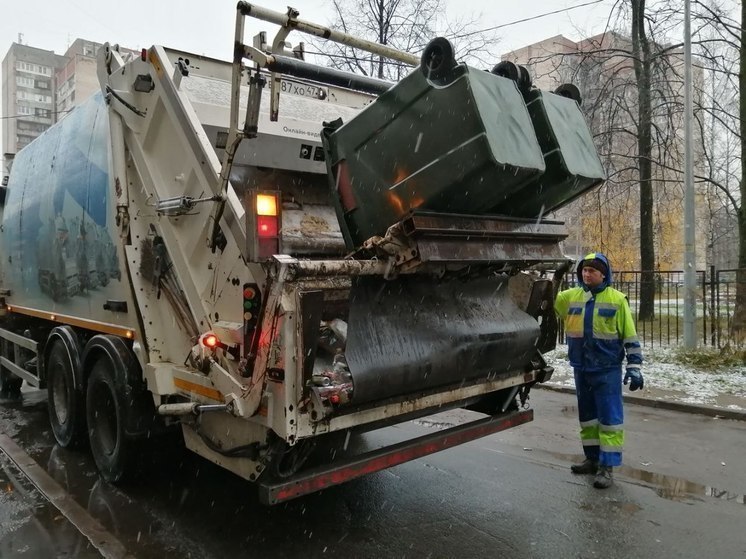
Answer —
(40, 87)
(28, 97)
(77, 80)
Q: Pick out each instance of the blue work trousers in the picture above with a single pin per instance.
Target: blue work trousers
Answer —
(601, 414)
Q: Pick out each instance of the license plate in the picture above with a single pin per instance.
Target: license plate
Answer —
(303, 90)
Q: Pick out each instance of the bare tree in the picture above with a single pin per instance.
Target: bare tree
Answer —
(739, 316)
(407, 25)
(641, 57)
(727, 110)
(632, 87)
(719, 113)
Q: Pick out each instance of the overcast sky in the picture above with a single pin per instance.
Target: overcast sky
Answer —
(207, 27)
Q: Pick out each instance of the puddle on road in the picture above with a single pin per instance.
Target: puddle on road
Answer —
(25, 420)
(679, 489)
(668, 487)
(32, 527)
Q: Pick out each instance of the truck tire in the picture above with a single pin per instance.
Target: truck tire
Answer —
(112, 451)
(65, 396)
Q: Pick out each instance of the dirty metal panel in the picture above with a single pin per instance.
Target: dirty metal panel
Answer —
(442, 224)
(488, 250)
(421, 332)
(311, 230)
(493, 239)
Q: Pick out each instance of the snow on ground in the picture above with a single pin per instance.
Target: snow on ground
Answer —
(662, 373)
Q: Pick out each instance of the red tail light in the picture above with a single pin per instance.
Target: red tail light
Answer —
(210, 341)
(266, 222)
(266, 226)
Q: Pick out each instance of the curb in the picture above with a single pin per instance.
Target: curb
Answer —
(99, 538)
(710, 411)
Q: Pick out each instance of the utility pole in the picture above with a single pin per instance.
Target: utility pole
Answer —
(690, 268)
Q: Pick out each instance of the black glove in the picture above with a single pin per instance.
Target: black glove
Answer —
(634, 377)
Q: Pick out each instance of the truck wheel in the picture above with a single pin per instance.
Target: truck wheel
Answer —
(112, 451)
(65, 398)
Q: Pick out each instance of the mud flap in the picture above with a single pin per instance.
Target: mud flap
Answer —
(419, 333)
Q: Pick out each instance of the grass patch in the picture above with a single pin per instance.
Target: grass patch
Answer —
(710, 359)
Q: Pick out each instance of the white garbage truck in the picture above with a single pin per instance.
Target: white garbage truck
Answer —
(265, 253)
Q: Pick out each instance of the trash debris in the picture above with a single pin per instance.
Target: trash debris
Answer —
(333, 387)
(333, 335)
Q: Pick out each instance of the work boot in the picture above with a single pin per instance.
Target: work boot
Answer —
(604, 478)
(587, 467)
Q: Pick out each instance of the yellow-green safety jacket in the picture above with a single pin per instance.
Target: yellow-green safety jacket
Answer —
(599, 327)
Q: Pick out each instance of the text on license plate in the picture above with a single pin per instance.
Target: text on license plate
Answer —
(303, 90)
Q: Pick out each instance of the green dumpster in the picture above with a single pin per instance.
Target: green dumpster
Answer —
(572, 163)
(459, 145)
(459, 140)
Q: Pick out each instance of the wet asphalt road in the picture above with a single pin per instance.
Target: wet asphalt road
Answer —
(508, 495)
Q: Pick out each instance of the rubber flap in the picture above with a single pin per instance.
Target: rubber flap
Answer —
(420, 332)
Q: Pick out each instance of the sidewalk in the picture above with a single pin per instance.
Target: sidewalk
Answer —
(665, 400)
(670, 386)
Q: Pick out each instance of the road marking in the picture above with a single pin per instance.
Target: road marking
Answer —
(102, 540)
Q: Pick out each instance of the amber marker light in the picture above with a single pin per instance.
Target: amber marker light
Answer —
(266, 204)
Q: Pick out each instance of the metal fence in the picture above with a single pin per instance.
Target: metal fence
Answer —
(714, 306)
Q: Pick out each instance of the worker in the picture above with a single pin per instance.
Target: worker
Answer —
(600, 332)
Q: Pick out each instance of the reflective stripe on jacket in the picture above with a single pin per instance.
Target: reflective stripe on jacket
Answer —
(599, 328)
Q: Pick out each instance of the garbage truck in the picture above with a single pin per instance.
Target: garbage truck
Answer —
(265, 254)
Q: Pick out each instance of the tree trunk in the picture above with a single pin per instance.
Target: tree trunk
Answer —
(738, 332)
(641, 51)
